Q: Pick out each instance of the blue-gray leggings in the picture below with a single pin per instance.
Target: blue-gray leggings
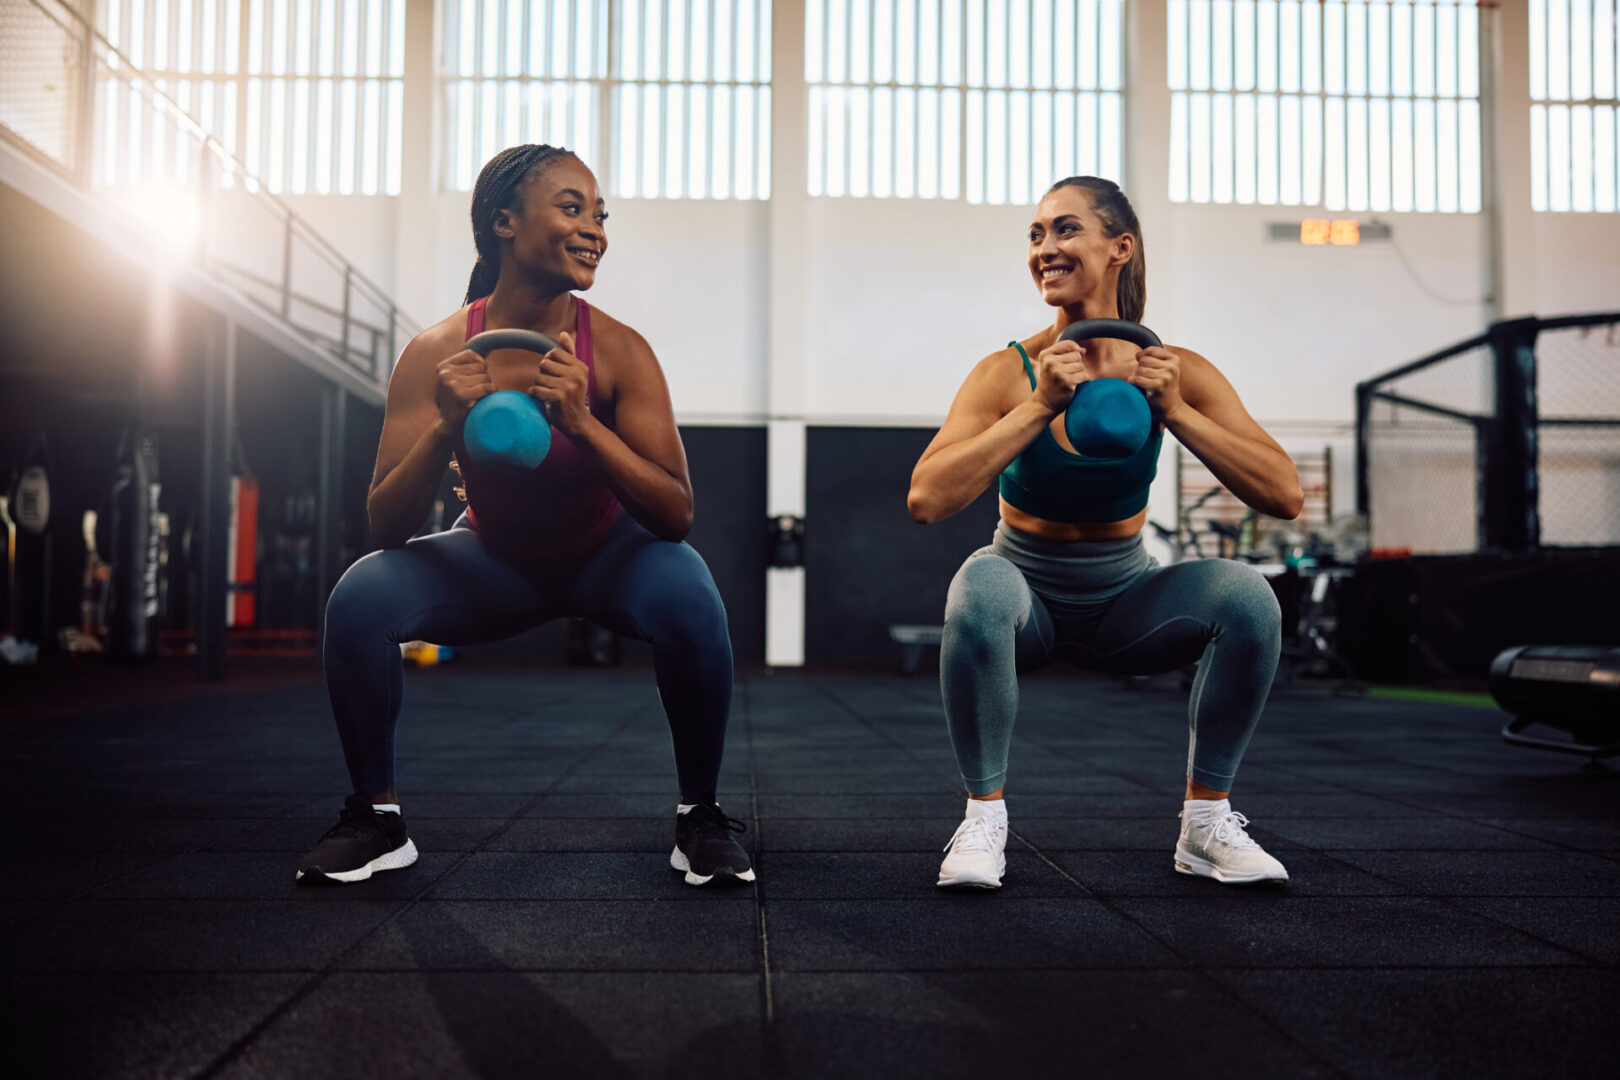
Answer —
(448, 588)
(1023, 602)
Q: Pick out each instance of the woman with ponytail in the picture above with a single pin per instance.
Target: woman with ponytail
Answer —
(1065, 574)
(596, 530)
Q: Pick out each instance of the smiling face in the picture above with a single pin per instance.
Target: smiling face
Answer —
(1073, 260)
(558, 228)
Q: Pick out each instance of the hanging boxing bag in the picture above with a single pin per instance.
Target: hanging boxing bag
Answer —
(30, 508)
(133, 596)
(242, 547)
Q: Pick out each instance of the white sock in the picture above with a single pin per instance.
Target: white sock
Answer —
(994, 809)
(1199, 808)
(386, 808)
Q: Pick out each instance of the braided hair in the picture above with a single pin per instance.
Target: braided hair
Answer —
(497, 190)
(1113, 209)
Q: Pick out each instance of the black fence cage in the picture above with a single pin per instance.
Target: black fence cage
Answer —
(1506, 442)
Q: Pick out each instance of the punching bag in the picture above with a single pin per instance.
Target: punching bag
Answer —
(136, 548)
(30, 571)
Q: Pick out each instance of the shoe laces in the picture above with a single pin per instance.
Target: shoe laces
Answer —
(1228, 829)
(709, 820)
(353, 823)
(973, 836)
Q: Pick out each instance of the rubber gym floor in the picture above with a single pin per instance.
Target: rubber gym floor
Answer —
(1452, 911)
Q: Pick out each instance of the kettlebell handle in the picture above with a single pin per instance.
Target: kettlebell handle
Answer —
(1122, 329)
(490, 340)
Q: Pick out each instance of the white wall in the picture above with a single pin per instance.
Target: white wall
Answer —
(899, 298)
(1577, 263)
(905, 296)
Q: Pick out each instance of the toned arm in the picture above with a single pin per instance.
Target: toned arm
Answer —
(414, 449)
(979, 437)
(1214, 425)
(641, 456)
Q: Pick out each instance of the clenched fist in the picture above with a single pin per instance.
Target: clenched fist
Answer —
(562, 386)
(463, 381)
(1158, 373)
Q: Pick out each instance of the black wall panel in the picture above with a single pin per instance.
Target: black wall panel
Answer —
(867, 563)
(727, 465)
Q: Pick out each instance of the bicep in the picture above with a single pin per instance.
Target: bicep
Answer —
(644, 417)
(976, 407)
(1213, 395)
(410, 410)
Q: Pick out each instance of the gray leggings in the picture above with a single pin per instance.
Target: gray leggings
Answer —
(1023, 602)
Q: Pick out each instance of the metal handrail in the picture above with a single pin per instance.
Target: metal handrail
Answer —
(95, 47)
(335, 344)
(303, 298)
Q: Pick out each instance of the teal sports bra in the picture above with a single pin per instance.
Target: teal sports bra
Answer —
(1056, 484)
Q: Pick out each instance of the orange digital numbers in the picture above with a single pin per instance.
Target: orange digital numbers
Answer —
(1320, 232)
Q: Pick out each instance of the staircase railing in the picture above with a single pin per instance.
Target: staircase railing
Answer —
(60, 79)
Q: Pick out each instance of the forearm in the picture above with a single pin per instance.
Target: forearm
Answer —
(951, 479)
(655, 497)
(400, 501)
(1258, 474)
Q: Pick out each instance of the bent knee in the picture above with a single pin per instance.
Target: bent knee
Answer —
(685, 603)
(987, 596)
(364, 597)
(1245, 599)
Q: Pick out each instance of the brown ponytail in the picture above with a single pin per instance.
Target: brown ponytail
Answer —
(1113, 209)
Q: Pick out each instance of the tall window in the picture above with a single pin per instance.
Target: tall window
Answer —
(520, 71)
(1574, 110)
(307, 92)
(665, 98)
(991, 100)
(192, 50)
(1345, 104)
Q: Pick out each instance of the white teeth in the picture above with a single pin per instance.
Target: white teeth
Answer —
(1049, 274)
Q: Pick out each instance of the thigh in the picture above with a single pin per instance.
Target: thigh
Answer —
(447, 588)
(987, 594)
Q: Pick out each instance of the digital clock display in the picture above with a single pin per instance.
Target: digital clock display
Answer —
(1329, 232)
(1340, 232)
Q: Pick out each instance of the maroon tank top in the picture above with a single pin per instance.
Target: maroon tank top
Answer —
(555, 512)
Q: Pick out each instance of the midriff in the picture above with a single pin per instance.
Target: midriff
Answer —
(1064, 530)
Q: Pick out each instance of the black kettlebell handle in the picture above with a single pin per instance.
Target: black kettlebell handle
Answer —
(1122, 329)
(490, 340)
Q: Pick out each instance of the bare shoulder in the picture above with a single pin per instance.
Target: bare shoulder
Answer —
(617, 340)
(422, 354)
(998, 381)
(1190, 359)
(1006, 363)
(1197, 373)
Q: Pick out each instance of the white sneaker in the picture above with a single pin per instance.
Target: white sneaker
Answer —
(976, 856)
(1214, 845)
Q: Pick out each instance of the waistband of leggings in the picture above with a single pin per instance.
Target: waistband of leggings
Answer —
(1017, 540)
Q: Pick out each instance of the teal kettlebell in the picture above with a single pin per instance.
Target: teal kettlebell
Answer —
(508, 427)
(1108, 418)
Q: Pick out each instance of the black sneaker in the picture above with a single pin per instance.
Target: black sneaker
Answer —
(706, 849)
(361, 843)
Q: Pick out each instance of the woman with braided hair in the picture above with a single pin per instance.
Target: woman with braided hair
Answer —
(596, 530)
